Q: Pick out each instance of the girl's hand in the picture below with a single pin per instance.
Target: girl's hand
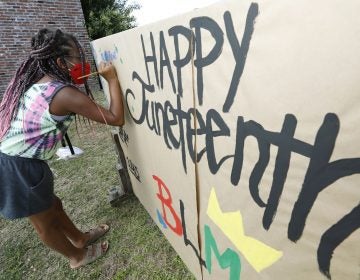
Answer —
(108, 71)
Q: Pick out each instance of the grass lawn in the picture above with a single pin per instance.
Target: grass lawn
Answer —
(138, 250)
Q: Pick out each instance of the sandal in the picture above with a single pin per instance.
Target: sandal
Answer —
(96, 233)
(93, 252)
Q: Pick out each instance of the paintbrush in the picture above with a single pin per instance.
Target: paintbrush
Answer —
(87, 75)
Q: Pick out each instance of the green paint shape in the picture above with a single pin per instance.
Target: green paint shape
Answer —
(228, 259)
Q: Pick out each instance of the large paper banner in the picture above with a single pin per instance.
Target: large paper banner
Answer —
(242, 135)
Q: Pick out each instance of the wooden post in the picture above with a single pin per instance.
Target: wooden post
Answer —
(121, 166)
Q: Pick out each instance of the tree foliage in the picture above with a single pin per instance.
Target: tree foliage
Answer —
(106, 17)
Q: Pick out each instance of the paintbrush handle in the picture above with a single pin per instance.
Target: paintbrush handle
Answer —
(93, 73)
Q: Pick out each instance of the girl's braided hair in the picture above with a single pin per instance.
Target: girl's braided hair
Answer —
(47, 46)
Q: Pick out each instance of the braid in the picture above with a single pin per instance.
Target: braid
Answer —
(47, 45)
(82, 57)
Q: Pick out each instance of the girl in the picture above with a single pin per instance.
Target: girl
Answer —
(36, 110)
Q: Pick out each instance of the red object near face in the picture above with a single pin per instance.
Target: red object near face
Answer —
(76, 72)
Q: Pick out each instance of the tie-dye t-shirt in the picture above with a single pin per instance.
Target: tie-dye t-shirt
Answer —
(34, 133)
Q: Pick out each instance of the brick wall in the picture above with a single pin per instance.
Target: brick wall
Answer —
(21, 19)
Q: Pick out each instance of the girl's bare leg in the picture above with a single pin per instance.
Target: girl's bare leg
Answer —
(77, 237)
(50, 230)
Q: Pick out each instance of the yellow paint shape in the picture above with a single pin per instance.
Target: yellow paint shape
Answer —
(258, 254)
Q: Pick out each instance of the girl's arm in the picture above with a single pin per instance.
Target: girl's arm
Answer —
(71, 100)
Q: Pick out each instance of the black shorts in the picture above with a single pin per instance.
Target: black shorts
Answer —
(26, 186)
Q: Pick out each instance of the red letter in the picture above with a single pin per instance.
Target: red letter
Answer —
(168, 202)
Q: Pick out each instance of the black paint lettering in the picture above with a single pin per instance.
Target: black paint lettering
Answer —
(200, 62)
(259, 168)
(239, 52)
(182, 116)
(334, 236)
(165, 62)
(145, 103)
(213, 116)
(243, 130)
(152, 125)
(133, 169)
(159, 108)
(181, 62)
(169, 109)
(281, 169)
(186, 240)
(320, 174)
(150, 58)
(201, 130)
